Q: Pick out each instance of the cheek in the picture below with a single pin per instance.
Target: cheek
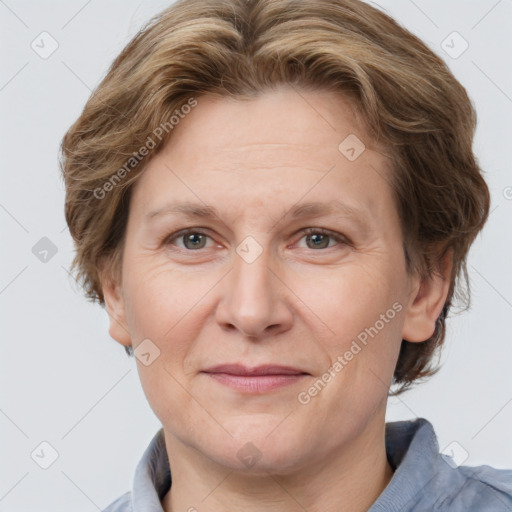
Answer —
(362, 308)
(160, 304)
(351, 299)
(159, 298)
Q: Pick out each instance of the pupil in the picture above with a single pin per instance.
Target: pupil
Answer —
(318, 240)
(194, 239)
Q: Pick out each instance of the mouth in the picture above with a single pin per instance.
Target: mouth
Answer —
(255, 380)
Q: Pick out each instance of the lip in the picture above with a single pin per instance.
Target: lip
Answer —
(266, 369)
(259, 379)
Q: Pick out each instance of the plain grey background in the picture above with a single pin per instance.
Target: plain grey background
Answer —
(66, 383)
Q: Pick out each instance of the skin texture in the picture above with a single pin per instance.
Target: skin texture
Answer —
(296, 304)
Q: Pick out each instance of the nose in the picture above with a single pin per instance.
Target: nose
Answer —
(255, 301)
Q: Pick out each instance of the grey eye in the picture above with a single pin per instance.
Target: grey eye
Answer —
(194, 240)
(318, 240)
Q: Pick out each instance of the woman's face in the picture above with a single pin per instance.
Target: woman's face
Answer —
(301, 266)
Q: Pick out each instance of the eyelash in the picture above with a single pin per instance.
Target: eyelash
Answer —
(340, 239)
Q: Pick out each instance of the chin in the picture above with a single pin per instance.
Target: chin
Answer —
(261, 449)
(251, 460)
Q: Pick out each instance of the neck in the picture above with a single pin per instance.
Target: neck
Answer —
(350, 479)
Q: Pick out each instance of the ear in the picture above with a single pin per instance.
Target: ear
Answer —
(428, 297)
(115, 306)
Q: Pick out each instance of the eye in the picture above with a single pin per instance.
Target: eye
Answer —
(318, 238)
(192, 239)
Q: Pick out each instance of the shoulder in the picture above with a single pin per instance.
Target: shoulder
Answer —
(426, 479)
(122, 504)
(475, 488)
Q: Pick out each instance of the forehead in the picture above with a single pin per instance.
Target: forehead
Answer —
(274, 123)
(277, 149)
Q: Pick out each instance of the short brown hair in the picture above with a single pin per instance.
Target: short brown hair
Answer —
(407, 97)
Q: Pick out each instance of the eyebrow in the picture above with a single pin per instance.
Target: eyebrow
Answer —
(298, 211)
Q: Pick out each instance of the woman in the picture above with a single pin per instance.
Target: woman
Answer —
(274, 201)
